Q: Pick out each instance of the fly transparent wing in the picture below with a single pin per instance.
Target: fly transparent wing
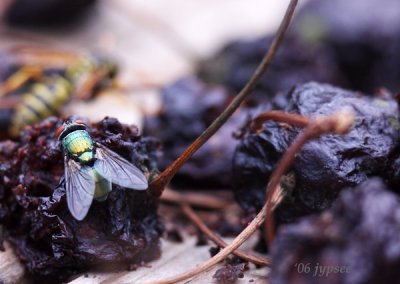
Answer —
(121, 172)
(80, 186)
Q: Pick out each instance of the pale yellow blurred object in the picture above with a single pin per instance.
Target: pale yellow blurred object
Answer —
(108, 103)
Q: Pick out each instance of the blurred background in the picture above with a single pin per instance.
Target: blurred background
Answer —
(153, 42)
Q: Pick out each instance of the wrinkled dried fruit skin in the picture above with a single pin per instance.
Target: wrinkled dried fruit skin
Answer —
(124, 229)
(189, 106)
(296, 62)
(364, 37)
(229, 273)
(233, 269)
(324, 166)
(360, 231)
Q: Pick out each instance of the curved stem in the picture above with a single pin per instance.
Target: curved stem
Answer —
(257, 260)
(240, 239)
(195, 199)
(280, 116)
(338, 123)
(158, 184)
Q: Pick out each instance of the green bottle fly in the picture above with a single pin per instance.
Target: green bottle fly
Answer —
(91, 168)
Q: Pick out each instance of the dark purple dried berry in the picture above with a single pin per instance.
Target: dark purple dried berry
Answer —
(296, 62)
(188, 108)
(324, 166)
(214, 250)
(356, 241)
(229, 273)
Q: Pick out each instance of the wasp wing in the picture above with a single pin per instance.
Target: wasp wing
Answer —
(80, 186)
(121, 172)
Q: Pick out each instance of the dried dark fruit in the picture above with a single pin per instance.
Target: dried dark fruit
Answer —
(324, 166)
(352, 45)
(355, 241)
(232, 270)
(124, 229)
(189, 106)
(363, 36)
(229, 273)
(296, 62)
(393, 171)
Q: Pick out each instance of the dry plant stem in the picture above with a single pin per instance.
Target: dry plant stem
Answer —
(201, 200)
(188, 211)
(194, 199)
(338, 123)
(238, 241)
(280, 116)
(163, 179)
(159, 183)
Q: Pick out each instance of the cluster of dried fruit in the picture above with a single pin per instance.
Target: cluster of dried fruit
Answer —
(122, 230)
(305, 54)
(355, 51)
(331, 41)
(188, 107)
(355, 241)
(126, 227)
(324, 166)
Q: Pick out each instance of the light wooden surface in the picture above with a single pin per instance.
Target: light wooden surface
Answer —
(155, 42)
(11, 270)
(176, 258)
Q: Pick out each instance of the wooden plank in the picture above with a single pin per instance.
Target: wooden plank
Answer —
(11, 269)
(176, 258)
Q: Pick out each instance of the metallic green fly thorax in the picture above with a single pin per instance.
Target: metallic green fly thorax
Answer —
(79, 144)
(89, 173)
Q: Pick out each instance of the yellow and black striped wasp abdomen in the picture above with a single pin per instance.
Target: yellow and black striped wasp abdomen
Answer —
(89, 74)
(41, 100)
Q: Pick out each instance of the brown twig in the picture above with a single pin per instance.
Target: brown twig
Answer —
(238, 241)
(276, 115)
(188, 211)
(164, 178)
(159, 183)
(201, 200)
(194, 199)
(183, 200)
(338, 123)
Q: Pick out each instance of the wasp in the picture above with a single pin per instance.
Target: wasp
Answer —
(36, 90)
(91, 168)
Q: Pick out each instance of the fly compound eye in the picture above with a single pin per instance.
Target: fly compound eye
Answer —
(80, 122)
(59, 131)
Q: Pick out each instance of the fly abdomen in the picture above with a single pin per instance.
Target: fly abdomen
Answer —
(79, 144)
